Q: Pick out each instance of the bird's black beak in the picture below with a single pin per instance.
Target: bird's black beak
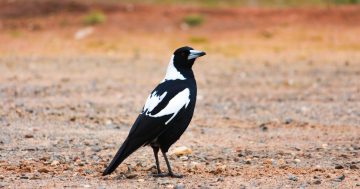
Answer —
(195, 54)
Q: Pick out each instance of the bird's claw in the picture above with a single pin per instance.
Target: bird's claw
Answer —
(168, 175)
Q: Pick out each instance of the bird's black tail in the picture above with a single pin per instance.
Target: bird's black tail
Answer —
(127, 148)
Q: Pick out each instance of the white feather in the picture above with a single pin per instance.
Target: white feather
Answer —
(172, 73)
(175, 104)
(152, 101)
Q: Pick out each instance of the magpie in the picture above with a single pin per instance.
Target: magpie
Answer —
(166, 114)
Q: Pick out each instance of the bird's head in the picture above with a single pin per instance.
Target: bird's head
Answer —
(184, 57)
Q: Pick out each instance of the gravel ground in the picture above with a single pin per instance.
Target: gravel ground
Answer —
(259, 123)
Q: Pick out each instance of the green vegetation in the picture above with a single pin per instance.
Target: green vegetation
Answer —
(193, 20)
(198, 39)
(94, 18)
(346, 1)
(15, 33)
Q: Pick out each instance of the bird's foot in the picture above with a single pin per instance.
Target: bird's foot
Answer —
(168, 175)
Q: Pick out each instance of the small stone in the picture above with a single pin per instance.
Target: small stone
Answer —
(108, 122)
(248, 161)
(352, 166)
(88, 171)
(24, 177)
(339, 178)
(2, 177)
(96, 149)
(131, 175)
(43, 170)
(263, 127)
(86, 186)
(357, 184)
(55, 162)
(317, 182)
(292, 177)
(184, 158)
(44, 158)
(140, 180)
(181, 151)
(288, 120)
(35, 176)
(29, 136)
(338, 166)
(179, 186)
(297, 160)
(72, 119)
(220, 179)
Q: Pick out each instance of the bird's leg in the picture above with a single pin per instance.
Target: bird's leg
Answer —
(169, 167)
(170, 173)
(156, 150)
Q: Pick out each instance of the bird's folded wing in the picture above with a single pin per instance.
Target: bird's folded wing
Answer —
(163, 105)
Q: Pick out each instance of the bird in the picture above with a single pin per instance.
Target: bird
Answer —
(167, 112)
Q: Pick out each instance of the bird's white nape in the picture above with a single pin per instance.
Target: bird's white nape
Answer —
(172, 73)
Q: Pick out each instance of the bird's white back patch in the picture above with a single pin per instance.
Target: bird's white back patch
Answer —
(152, 101)
(172, 73)
(175, 104)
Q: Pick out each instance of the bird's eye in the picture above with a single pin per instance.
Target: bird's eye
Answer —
(182, 54)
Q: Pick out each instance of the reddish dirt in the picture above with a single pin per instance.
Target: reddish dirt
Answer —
(278, 103)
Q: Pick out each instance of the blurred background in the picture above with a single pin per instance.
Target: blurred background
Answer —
(128, 28)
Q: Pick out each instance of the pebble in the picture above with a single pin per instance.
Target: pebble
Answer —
(131, 175)
(338, 166)
(44, 158)
(184, 158)
(339, 178)
(354, 167)
(169, 186)
(29, 136)
(220, 179)
(181, 151)
(43, 170)
(88, 171)
(292, 177)
(96, 149)
(24, 177)
(288, 121)
(179, 186)
(1, 177)
(297, 160)
(55, 162)
(317, 182)
(248, 161)
(263, 127)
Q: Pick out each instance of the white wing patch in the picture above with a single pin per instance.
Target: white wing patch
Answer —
(175, 104)
(152, 101)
